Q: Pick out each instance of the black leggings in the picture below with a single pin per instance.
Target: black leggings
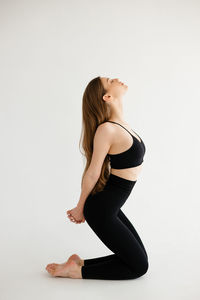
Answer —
(103, 214)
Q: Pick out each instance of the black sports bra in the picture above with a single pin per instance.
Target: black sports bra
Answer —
(129, 158)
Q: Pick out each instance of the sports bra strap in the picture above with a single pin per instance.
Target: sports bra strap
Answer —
(121, 126)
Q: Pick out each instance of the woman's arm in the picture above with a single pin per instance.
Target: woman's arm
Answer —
(103, 139)
(76, 214)
(101, 145)
(88, 183)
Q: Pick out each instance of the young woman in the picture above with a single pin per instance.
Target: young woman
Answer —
(114, 157)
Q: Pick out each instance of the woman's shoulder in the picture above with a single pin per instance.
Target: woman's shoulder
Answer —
(106, 127)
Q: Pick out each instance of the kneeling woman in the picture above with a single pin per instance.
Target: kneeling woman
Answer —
(114, 154)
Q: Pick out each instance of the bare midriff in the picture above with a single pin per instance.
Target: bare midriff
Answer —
(128, 173)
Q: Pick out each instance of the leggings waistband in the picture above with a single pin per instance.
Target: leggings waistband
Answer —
(120, 182)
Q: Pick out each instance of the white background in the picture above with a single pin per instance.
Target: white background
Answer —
(49, 52)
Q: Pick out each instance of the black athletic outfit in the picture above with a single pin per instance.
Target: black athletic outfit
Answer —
(102, 212)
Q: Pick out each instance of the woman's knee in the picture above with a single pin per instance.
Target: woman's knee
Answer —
(143, 268)
(140, 270)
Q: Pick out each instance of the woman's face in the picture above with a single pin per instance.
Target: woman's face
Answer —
(114, 87)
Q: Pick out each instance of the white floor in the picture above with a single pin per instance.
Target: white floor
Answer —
(172, 274)
(30, 281)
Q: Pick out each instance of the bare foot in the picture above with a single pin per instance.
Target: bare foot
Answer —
(73, 257)
(69, 269)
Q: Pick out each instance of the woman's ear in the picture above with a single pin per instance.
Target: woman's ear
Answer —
(106, 97)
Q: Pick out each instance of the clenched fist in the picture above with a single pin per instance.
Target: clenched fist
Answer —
(76, 215)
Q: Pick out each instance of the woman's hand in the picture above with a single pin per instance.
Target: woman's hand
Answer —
(76, 215)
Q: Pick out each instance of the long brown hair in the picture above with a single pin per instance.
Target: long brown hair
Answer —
(94, 112)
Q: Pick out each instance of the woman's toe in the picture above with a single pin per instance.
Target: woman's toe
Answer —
(53, 267)
(49, 265)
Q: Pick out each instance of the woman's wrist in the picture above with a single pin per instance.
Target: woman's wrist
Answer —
(80, 206)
